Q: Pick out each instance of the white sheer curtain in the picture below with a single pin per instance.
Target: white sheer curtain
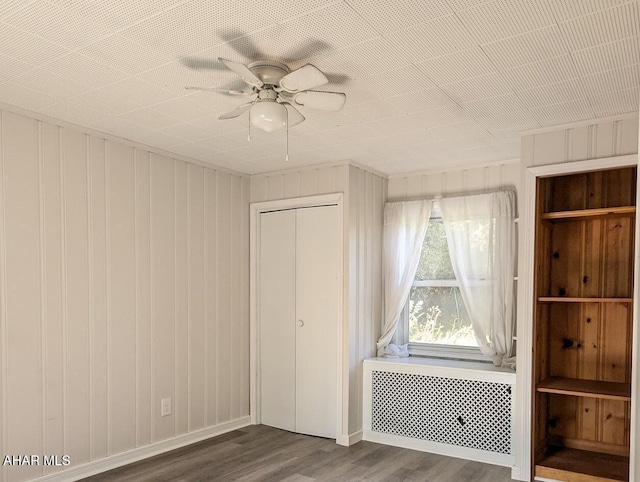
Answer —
(405, 224)
(482, 243)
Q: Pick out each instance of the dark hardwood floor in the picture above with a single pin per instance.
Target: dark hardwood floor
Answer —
(260, 453)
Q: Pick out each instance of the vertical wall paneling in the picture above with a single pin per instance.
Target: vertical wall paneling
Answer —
(90, 291)
(23, 330)
(122, 302)
(181, 332)
(196, 249)
(580, 143)
(163, 290)
(379, 196)
(235, 364)
(99, 407)
(76, 247)
(42, 285)
(353, 309)
(244, 295)
(367, 192)
(309, 182)
(210, 249)
(107, 294)
(109, 300)
(51, 255)
(4, 344)
(306, 182)
(455, 182)
(223, 295)
(291, 185)
(326, 180)
(143, 298)
(275, 185)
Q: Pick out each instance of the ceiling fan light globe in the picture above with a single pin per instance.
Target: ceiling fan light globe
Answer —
(268, 116)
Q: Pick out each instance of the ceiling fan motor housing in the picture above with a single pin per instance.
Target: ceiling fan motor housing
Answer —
(268, 72)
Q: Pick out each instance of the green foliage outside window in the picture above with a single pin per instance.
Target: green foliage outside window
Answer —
(437, 313)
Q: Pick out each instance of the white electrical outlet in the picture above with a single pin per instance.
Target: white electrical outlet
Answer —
(165, 407)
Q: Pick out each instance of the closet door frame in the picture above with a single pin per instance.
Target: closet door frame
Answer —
(342, 375)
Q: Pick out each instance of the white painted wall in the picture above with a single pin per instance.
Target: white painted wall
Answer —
(364, 197)
(123, 280)
(613, 137)
(453, 182)
(292, 183)
(367, 194)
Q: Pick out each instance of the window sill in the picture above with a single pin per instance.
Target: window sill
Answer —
(463, 353)
(448, 368)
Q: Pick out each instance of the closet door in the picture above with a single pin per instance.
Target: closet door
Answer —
(318, 292)
(276, 294)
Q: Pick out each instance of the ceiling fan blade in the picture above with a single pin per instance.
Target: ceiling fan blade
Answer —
(306, 77)
(294, 117)
(236, 112)
(243, 71)
(219, 89)
(321, 100)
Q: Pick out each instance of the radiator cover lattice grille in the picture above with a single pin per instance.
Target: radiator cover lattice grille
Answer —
(466, 413)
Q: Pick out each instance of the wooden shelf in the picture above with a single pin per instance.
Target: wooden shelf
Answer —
(573, 465)
(585, 388)
(568, 299)
(589, 213)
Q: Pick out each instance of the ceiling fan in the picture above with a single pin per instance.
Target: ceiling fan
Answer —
(275, 89)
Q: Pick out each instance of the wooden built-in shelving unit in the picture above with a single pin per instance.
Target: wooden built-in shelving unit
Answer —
(580, 214)
(585, 388)
(567, 299)
(584, 255)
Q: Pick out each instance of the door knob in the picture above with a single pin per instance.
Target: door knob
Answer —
(300, 323)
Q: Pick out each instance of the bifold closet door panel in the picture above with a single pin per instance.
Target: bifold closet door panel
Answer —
(277, 347)
(318, 254)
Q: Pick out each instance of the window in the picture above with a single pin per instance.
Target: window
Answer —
(436, 320)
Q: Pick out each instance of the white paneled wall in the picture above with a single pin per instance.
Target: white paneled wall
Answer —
(454, 182)
(366, 205)
(364, 197)
(123, 280)
(300, 183)
(595, 140)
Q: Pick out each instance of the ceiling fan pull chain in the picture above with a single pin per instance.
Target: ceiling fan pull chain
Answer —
(286, 158)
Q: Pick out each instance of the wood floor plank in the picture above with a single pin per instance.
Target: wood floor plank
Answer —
(264, 454)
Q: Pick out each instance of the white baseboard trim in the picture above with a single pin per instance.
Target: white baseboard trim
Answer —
(347, 440)
(466, 453)
(134, 455)
(516, 473)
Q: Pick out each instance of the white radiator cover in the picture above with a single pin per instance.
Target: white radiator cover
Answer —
(461, 409)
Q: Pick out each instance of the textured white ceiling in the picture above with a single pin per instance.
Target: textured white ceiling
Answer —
(429, 82)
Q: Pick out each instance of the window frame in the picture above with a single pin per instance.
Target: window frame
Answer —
(435, 350)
